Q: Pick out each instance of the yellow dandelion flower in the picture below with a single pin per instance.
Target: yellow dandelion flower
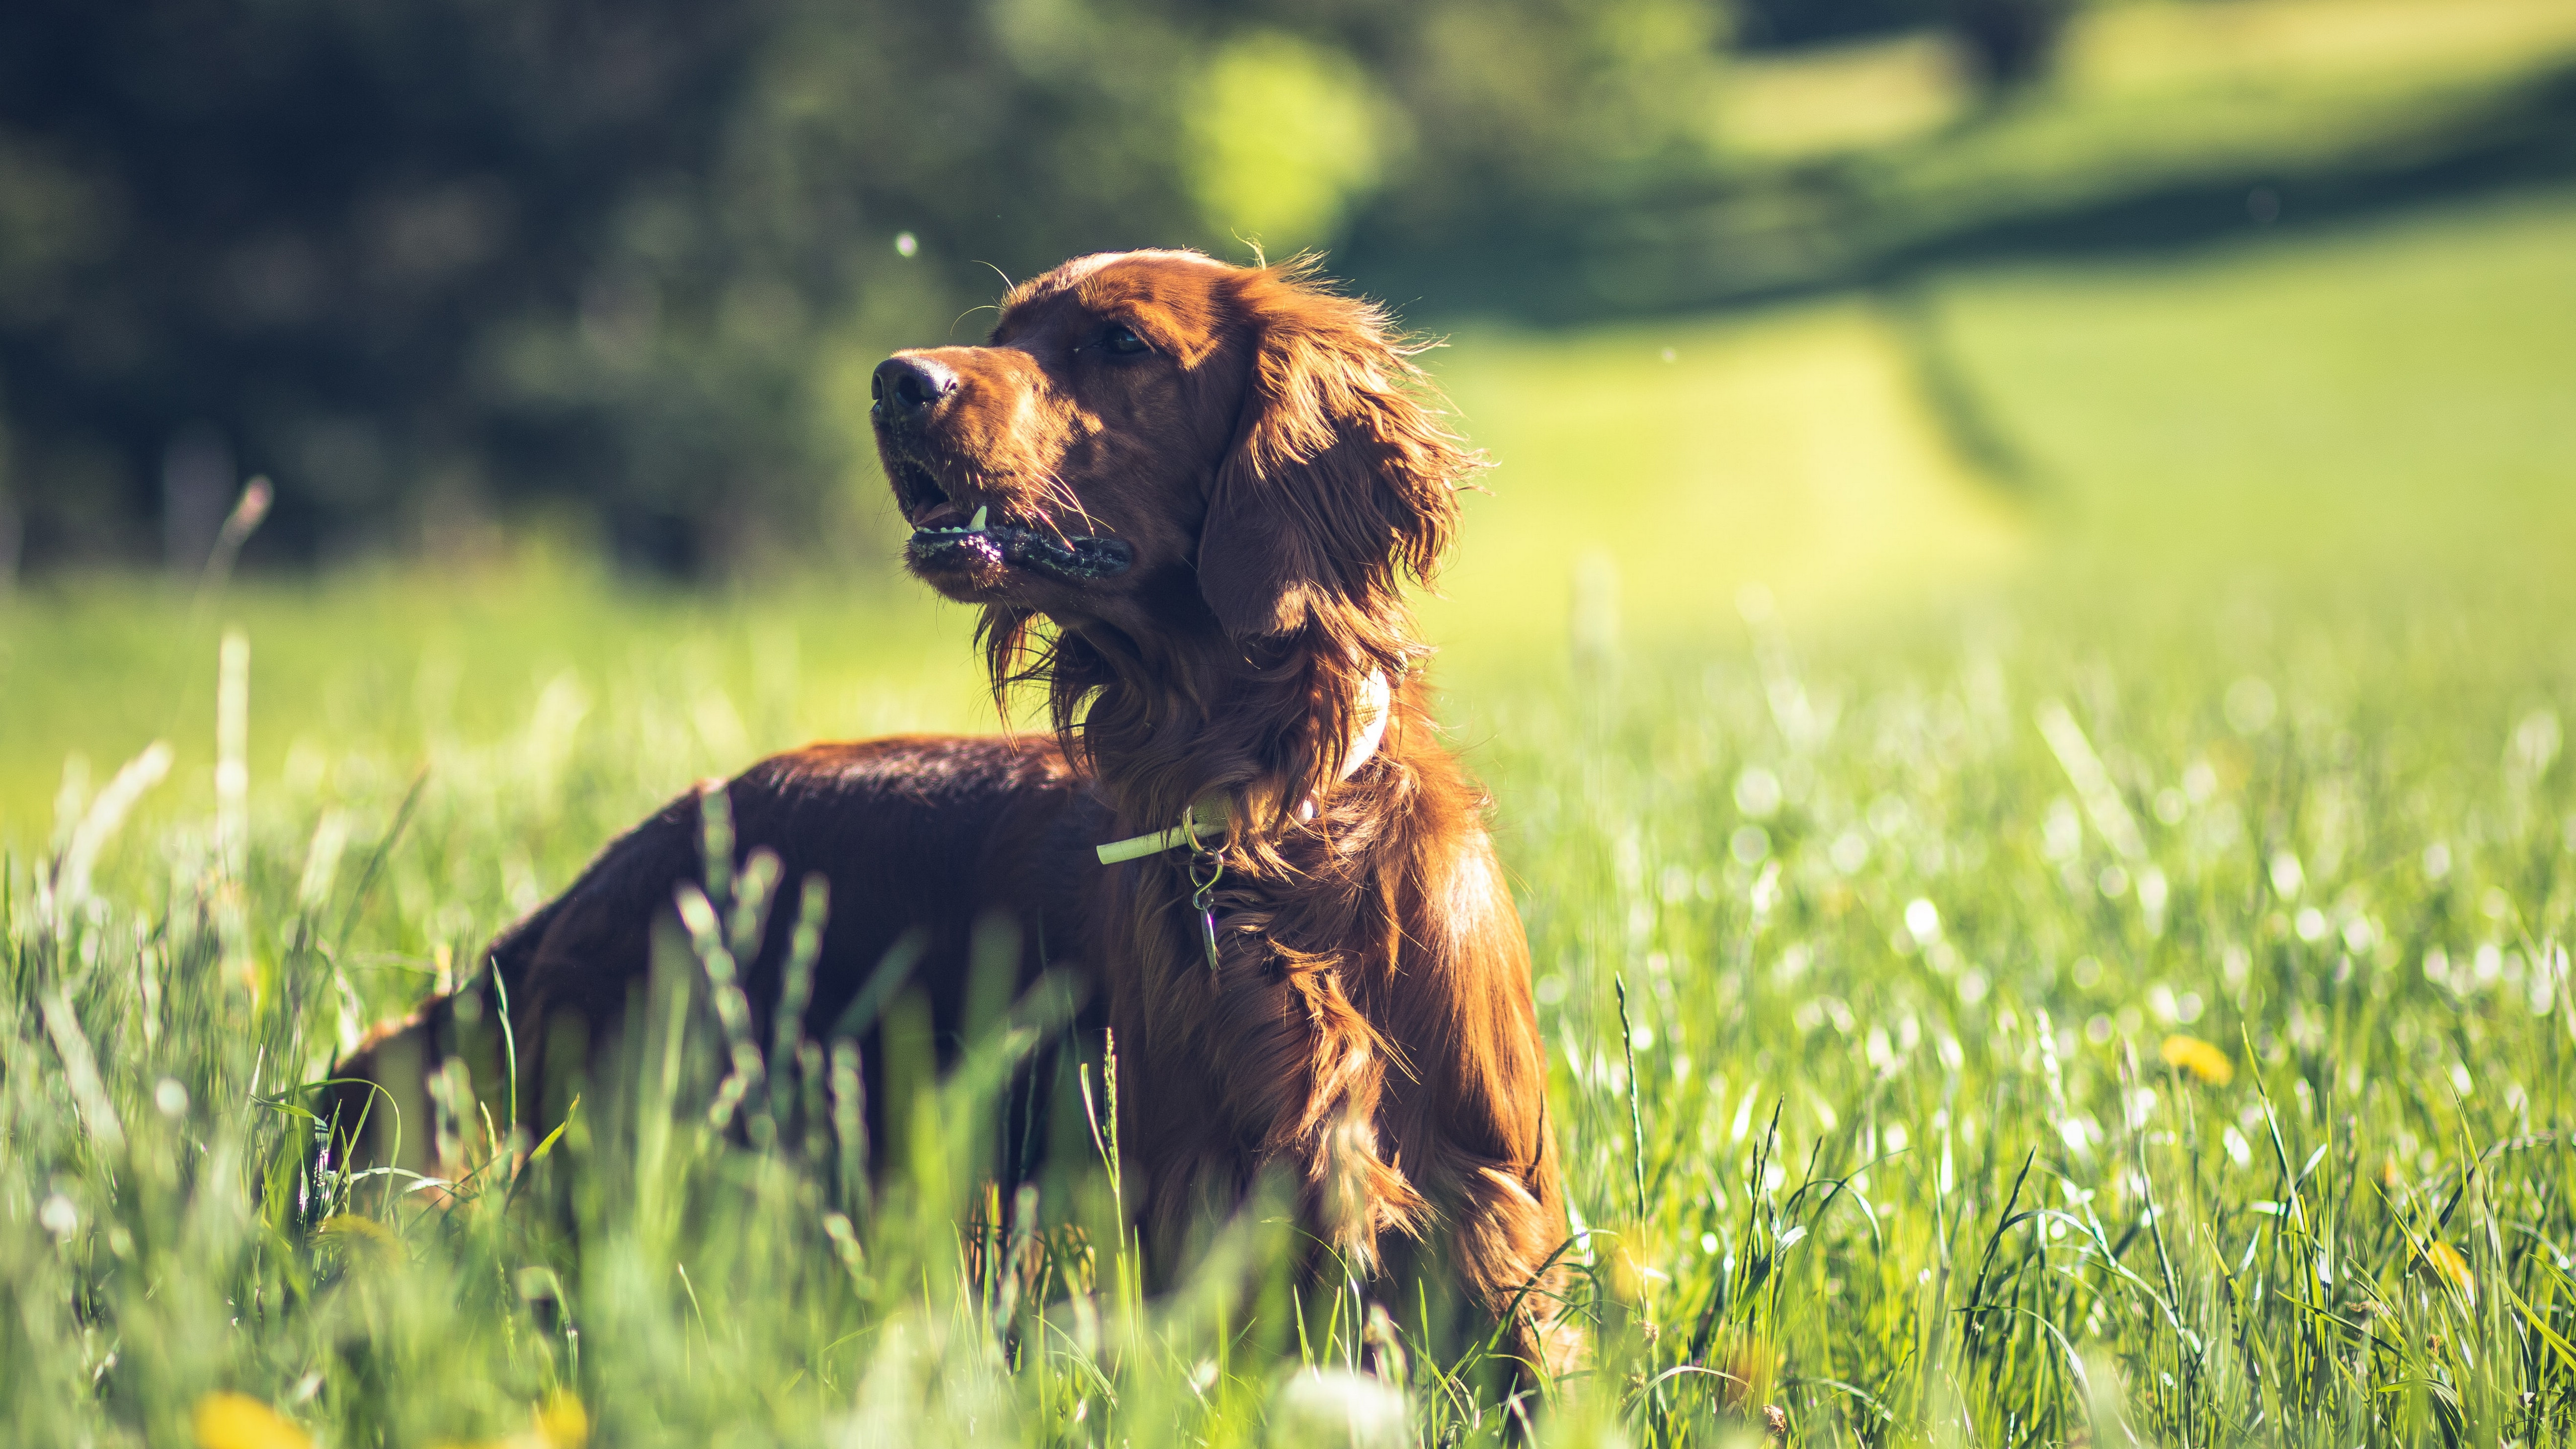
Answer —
(360, 1239)
(2452, 1266)
(238, 1421)
(563, 1423)
(2199, 1058)
(1627, 1274)
(558, 1423)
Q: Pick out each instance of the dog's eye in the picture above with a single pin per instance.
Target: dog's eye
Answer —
(1120, 340)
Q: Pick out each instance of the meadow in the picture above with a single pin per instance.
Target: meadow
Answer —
(2040, 804)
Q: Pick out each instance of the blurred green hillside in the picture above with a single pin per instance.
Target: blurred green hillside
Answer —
(2372, 422)
(2377, 417)
(454, 275)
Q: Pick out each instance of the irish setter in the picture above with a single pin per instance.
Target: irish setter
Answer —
(1185, 496)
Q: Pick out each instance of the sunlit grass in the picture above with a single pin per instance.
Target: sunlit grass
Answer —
(2373, 411)
(390, 671)
(2036, 1025)
(2247, 74)
(2094, 958)
(1696, 457)
(2180, 46)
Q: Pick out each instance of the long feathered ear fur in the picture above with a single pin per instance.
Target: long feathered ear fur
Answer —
(1340, 478)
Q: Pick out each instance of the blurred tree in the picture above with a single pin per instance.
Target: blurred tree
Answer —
(424, 259)
(1539, 104)
(1282, 138)
(296, 236)
(2009, 43)
(1783, 24)
(429, 262)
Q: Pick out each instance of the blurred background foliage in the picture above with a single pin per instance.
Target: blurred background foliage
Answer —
(455, 270)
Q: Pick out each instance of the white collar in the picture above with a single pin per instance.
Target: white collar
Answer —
(1209, 813)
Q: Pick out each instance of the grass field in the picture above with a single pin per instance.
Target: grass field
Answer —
(2253, 71)
(2093, 939)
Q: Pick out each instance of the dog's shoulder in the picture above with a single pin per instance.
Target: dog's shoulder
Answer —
(938, 770)
(968, 797)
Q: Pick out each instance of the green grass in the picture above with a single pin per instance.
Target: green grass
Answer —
(2241, 720)
(2253, 79)
(2161, 120)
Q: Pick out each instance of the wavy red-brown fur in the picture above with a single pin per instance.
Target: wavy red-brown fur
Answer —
(1276, 462)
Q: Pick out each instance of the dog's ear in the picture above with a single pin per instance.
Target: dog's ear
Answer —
(1340, 478)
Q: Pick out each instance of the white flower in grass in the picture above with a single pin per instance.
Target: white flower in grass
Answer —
(2251, 705)
(1338, 1408)
(1849, 852)
(2080, 1133)
(1757, 793)
(2288, 876)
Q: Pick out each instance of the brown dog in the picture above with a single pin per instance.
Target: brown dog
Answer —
(1185, 496)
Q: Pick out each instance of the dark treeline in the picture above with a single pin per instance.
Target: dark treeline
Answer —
(433, 263)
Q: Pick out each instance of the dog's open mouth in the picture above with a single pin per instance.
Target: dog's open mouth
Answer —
(946, 540)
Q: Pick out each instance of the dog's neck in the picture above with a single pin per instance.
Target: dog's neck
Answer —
(1274, 727)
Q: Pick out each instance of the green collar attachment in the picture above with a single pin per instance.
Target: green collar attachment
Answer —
(1207, 816)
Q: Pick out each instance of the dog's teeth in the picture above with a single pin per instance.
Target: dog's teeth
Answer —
(976, 524)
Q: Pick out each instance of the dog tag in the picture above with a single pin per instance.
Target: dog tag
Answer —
(1206, 869)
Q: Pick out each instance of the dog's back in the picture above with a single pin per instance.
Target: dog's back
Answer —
(935, 851)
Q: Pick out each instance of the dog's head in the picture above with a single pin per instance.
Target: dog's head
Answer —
(1168, 446)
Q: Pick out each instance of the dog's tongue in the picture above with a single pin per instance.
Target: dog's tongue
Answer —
(940, 536)
(946, 515)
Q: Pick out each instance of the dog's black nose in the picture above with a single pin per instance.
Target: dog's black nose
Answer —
(904, 388)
